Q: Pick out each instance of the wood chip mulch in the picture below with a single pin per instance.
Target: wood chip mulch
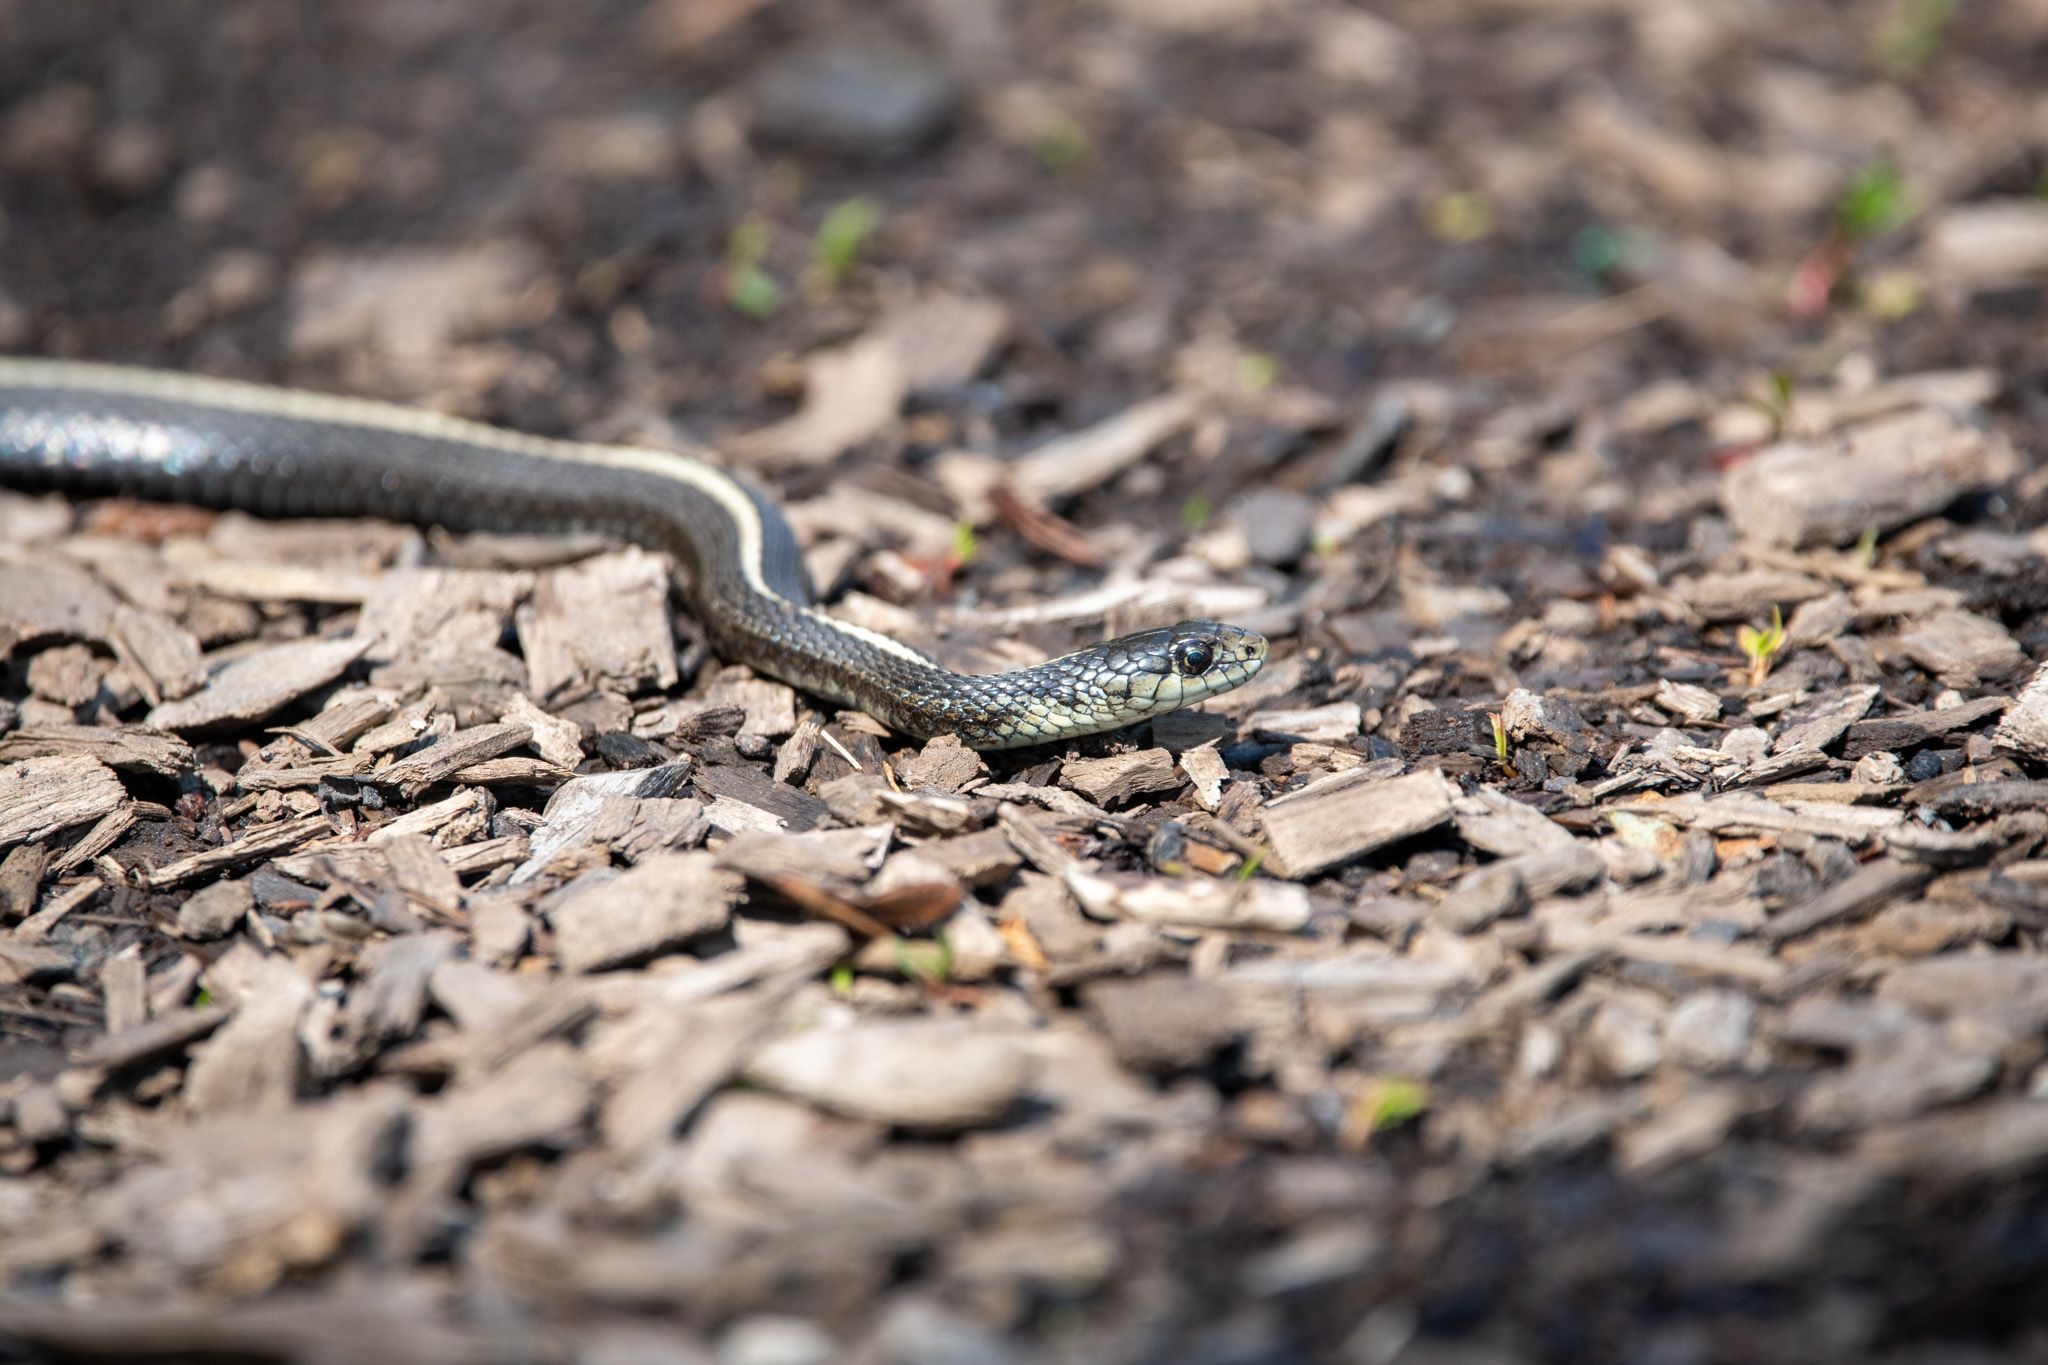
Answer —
(1610, 928)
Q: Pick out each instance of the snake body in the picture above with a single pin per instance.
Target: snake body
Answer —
(103, 430)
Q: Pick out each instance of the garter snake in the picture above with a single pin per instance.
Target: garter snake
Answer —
(101, 430)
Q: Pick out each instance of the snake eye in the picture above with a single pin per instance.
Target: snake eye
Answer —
(1193, 657)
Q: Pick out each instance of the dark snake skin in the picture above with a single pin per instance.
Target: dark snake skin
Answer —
(95, 430)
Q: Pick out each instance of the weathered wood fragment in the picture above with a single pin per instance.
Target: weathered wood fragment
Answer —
(1347, 816)
(40, 796)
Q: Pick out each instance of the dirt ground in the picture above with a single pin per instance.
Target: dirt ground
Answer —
(420, 948)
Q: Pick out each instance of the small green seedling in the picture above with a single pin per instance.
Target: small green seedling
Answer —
(1761, 646)
(1874, 203)
(1387, 1103)
(1500, 735)
(751, 290)
(1866, 547)
(1776, 402)
(1249, 868)
(964, 544)
(1063, 146)
(841, 237)
(1194, 513)
(1258, 370)
(928, 961)
(1461, 217)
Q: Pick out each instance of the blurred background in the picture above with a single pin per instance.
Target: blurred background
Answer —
(553, 212)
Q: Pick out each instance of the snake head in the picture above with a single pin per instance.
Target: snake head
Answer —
(1175, 666)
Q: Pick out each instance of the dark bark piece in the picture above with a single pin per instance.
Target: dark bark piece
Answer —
(661, 904)
(254, 1062)
(215, 911)
(21, 879)
(1830, 490)
(162, 654)
(123, 990)
(450, 754)
(944, 764)
(1962, 648)
(2025, 727)
(1865, 890)
(1332, 821)
(601, 623)
(1163, 1024)
(123, 748)
(40, 796)
(248, 848)
(46, 600)
(752, 788)
(254, 686)
(390, 1005)
(161, 1037)
(1818, 723)
(66, 675)
(1119, 778)
(762, 854)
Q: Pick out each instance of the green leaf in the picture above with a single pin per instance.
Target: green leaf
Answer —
(841, 236)
(754, 292)
(1395, 1101)
(1063, 146)
(1874, 203)
(1598, 250)
(964, 545)
(747, 244)
(929, 961)
(1461, 217)
(1259, 371)
(1194, 513)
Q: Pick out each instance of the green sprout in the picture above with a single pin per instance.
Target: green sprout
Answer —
(751, 290)
(841, 237)
(1388, 1103)
(1866, 547)
(1249, 868)
(963, 543)
(1258, 371)
(1598, 251)
(1874, 203)
(1461, 217)
(929, 962)
(842, 981)
(1776, 402)
(1500, 735)
(1761, 646)
(1063, 146)
(1194, 513)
